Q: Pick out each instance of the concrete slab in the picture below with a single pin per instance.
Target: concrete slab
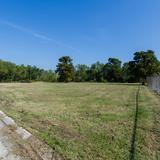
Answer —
(6, 150)
(8, 121)
(2, 114)
(1, 124)
(23, 133)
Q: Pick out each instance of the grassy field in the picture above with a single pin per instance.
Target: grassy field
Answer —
(87, 120)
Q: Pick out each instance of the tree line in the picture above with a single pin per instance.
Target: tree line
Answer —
(144, 63)
(10, 72)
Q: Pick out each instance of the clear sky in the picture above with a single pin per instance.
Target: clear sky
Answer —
(38, 32)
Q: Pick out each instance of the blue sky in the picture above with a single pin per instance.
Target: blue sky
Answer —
(38, 32)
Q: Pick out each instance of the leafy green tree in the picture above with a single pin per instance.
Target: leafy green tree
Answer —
(65, 69)
(112, 70)
(81, 74)
(10, 72)
(7, 71)
(3, 71)
(144, 64)
(96, 72)
(49, 76)
(125, 72)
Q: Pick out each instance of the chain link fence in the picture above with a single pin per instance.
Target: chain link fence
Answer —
(153, 83)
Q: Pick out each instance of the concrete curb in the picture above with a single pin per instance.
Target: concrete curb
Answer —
(24, 134)
(43, 151)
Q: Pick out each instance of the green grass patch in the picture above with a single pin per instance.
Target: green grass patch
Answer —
(84, 120)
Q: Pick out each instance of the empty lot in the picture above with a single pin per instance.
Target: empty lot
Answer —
(87, 120)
